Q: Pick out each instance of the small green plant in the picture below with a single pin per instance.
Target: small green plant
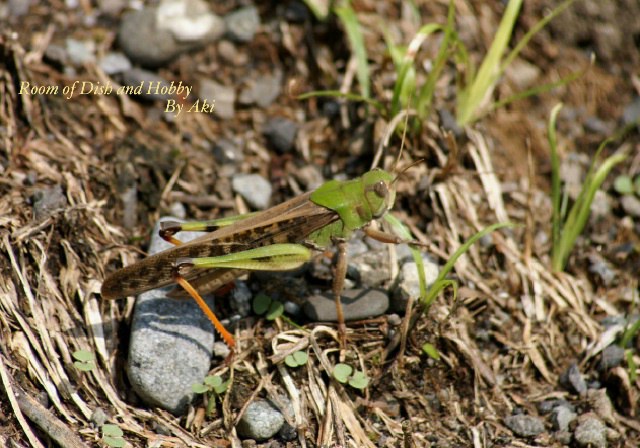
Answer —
(477, 87)
(428, 295)
(84, 360)
(431, 351)
(214, 386)
(344, 373)
(296, 359)
(271, 309)
(567, 227)
(265, 305)
(112, 435)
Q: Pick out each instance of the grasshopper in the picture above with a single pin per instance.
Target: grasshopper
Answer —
(276, 239)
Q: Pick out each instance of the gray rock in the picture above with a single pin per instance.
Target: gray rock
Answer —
(263, 90)
(612, 356)
(171, 343)
(631, 205)
(369, 269)
(598, 126)
(561, 418)
(255, 189)
(409, 282)
(99, 417)
(631, 113)
(601, 405)
(57, 54)
(522, 74)
(47, 200)
(281, 133)
(228, 151)
(242, 24)
(563, 437)
(601, 205)
(310, 177)
(356, 304)
(572, 380)
(590, 432)
(142, 41)
(356, 246)
(241, 297)
(222, 97)
(189, 21)
(546, 406)
(81, 52)
(602, 268)
(261, 421)
(229, 53)
(524, 425)
(114, 62)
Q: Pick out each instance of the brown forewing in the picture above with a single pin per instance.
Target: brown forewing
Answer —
(290, 222)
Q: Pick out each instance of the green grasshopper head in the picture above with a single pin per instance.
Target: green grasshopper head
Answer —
(379, 191)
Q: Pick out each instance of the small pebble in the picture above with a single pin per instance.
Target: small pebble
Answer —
(561, 418)
(563, 437)
(612, 356)
(261, 421)
(221, 97)
(255, 189)
(228, 151)
(602, 268)
(524, 425)
(241, 297)
(189, 21)
(590, 432)
(114, 62)
(356, 304)
(81, 52)
(631, 205)
(47, 200)
(409, 282)
(547, 406)
(242, 24)
(572, 380)
(99, 417)
(631, 113)
(281, 133)
(142, 41)
(263, 90)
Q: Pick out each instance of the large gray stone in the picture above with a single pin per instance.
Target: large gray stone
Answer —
(171, 343)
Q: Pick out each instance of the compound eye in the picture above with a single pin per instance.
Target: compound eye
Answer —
(380, 189)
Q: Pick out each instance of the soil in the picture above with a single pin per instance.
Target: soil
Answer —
(83, 180)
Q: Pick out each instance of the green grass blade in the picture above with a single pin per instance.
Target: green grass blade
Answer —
(350, 21)
(425, 97)
(490, 69)
(405, 68)
(556, 220)
(319, 8)
(579, 214)
(538, 90)
(438, 285)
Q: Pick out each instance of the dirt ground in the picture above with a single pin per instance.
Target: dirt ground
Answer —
(83, 180)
